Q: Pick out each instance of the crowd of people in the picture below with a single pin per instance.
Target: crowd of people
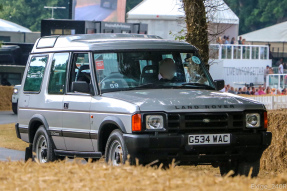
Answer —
(261, 90)
(226, 40)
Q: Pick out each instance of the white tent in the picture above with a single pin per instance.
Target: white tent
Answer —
(165, 16)
(274, 33)
(11, 27)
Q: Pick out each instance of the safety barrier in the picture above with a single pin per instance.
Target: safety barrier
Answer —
(271, 102)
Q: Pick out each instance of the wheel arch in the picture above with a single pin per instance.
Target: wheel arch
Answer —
(36, 121)
(108, 125)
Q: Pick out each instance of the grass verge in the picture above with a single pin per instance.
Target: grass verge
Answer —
(9, 140)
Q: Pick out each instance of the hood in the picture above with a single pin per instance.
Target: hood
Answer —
(185, 100)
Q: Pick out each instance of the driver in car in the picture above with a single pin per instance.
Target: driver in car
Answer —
(166, 70)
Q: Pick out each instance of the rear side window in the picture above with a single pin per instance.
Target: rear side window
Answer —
(35, 73)
(58, 73)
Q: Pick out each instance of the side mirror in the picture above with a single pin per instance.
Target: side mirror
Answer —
(219, 84)
(80, 86)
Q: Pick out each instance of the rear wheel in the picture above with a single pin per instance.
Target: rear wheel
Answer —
(116, 151)
(43, 147)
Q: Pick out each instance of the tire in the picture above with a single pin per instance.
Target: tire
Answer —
(116, 151)
(241, 168)
(15, 108)
(226, 167)
(42, 148)
(244, 168)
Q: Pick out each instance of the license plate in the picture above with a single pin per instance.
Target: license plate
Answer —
(209, 139)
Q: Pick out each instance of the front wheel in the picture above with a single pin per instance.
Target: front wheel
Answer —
(241, 168)
(245, 167)
(15, 108)
(116, 151)
(43, 147)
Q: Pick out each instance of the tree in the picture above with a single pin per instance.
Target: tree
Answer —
(130, 4)
(29, 13)
(197, 27)
(257, 14)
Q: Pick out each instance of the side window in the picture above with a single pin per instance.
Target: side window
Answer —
(35, 73)
(58, 73)
(80, 69)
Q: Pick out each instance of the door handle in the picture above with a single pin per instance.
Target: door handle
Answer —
(66, 105)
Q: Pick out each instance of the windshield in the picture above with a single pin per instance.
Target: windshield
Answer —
(150, 69)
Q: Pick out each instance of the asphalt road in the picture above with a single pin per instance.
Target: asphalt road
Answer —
(93, 12)
(7, 117)
(14, 155)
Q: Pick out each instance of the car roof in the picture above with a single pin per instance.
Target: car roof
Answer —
(107, 42)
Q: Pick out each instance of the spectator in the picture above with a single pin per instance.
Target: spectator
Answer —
(244, 91)
(219, 40)
(273, 91)
(244, 41)
(256, 92)
(227, 40)
(261, 91)
(252, 91)
(279, 62)
(278, 92)
(280, 68)
(231, 90)
(240, 40)
(236, 91)
(239, 91)
(268, 90)
(271, 70)
(266, 72)
(227, 88)
(232, 40)
(284, 92)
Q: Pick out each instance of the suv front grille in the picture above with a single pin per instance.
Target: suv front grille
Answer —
(200, 121)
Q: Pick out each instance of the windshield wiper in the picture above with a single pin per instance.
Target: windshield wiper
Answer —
(149, 85)
(194, 84)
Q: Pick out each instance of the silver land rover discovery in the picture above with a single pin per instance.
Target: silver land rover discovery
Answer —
(115, 95)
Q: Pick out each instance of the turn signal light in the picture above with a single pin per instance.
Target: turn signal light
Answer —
(265, 120)
(136, 122)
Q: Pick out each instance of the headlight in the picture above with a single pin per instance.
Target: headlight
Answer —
(154, 122)
(15, 90)
(252, 120)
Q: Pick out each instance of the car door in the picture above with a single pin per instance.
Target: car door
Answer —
(54, 97)
(76, 106)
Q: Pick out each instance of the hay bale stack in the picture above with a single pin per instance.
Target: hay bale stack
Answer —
(275, 157)
(5, 98)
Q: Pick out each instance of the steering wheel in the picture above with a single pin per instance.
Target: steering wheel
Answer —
(115, 80)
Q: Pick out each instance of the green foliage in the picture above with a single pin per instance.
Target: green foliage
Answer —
(131, 4)
(29, 13)
(257, 14)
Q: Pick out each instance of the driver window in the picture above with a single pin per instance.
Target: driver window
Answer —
(80, 70)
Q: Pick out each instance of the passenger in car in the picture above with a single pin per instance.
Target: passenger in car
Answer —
(166, 70)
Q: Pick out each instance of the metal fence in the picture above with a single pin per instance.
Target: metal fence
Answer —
(231, 51)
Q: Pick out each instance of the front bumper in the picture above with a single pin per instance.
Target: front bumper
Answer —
(243, 146)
